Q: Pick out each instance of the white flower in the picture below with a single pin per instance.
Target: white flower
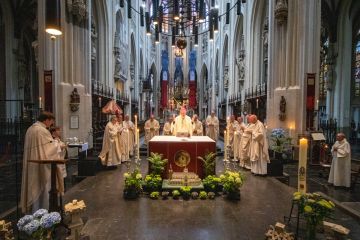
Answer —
(138, 176)
(126, 175)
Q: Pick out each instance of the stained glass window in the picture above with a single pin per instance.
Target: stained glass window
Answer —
(357, 68)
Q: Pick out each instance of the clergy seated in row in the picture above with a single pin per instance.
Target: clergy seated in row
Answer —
(36, 178)
(151, 127)
(340, 171)
(183, 126)
(197, 126)
(212, 126)
(110, 154)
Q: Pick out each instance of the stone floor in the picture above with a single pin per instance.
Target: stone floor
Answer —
(264, 200)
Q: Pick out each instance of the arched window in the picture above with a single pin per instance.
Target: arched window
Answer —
(357, 64)
(323, 65)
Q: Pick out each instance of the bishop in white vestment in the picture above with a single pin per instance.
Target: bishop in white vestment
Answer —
(340, 171)
(183, 126)
(110, 154)
(129, 125)
(259, 149)
(245, 144)
(36, 178)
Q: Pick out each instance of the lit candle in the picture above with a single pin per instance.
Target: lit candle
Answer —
(257, 103)
(290, 131)
(135, 124)
(317, 105)
(225, 138)
(302, 165)
(40, 102)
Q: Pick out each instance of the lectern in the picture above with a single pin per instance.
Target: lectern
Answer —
(53, 193)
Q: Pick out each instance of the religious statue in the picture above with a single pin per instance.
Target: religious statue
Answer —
(74, 100)
(282, 115)
(226, 79)
(241, 68)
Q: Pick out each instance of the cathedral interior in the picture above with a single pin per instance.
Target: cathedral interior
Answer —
(293, 63)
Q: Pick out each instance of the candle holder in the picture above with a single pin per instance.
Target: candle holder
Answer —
(75, 209)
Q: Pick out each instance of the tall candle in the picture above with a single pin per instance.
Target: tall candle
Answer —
(138, 144)
(317, 105)
(302, 165)
(257, 103)
(135, 124)
(40, 102)
(290, 131)
(225, 139)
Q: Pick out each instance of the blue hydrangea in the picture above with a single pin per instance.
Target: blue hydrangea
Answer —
(23, 221)
(50, 219)
(39, 213)
(31, 227)
(278, 132)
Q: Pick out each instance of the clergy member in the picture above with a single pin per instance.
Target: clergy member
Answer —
(167, 129)
(340, 171)
(259, 149)
(151, 127)
(124, 135)
(245, 144)
(197, 126)
(231, 128)
(61, 168)
(237, 138)
(183, 126)
(36, 178)
(212, 126)
(110, 154)
(129, 125)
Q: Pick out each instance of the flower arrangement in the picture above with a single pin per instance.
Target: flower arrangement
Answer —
(231, 182)
(280, 142)
(152, 182)
(212, 184)
(133, 184)
(154, 195)
(203, 195)
(186, 192)
(39, 225)
(315, 209)
(175, 194)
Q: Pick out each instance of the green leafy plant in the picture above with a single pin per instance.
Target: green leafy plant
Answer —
(231, 182)
(152, 183)
(315, 209)
(158, 164)
(175, 194)
(209, 163)
(212, 183)
(154, 195)
(203, 195)
(133, 184)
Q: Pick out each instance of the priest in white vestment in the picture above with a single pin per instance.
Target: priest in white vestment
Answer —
(237, 138)
(197, 126)
(231, 127)
(167, 129)
(212, 126)
(259, 149)
(36, 178)
(123, 136)
(151, 127)
(183, 126)
(129, 125)
(110, 154)
(340, 171)
(245, 144)
(61, 168)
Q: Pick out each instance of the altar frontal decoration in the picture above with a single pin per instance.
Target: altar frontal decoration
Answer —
(112, 108)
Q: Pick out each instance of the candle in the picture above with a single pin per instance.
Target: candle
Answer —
(317, 105)
(40, 102)
(225, 138)
(135, 125)
(302, 165)
(257, 103)
(99, 100)
(138, 144)
(290, 131)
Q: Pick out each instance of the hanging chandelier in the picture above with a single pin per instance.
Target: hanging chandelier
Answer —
(181, 19)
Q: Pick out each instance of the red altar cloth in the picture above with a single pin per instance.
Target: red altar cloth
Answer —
(171, 147)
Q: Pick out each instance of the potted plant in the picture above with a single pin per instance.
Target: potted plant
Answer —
(154, 195)
(152, 183)
(186, 192)
(165, 195)
(194, 195)
(209, 163)
(203, 195)
(212, 184)
(157, 163)
(133, 184)
(211, 195)
(232, 181)
(176, 194)
(38, 226)
(280, 144)
(315, 209)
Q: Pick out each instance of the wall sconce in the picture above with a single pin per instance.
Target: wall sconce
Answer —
(74, 100)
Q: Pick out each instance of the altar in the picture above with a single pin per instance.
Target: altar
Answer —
(182, 152)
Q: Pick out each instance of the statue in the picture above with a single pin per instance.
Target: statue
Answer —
(282, 115)
(241, 68)
(74, 100)
(226, 79)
